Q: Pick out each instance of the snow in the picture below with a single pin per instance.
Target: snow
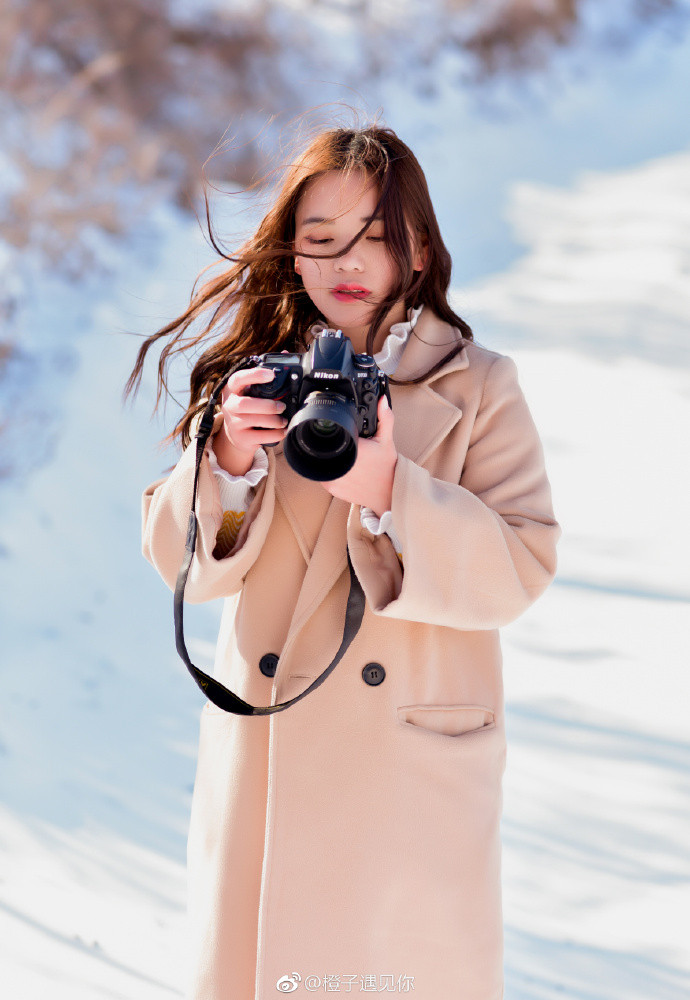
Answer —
(596, 865)
(99, 727)
(611, 257)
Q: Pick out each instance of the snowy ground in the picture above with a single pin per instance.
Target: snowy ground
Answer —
(98, 731)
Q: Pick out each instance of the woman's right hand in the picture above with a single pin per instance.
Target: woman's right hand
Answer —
(248, 421)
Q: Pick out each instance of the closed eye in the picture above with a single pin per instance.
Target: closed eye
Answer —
(374, 239)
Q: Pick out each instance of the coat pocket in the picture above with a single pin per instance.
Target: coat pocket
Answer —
(448, 720)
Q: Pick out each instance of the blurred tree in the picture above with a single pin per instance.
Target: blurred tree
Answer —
(521, 35)
(106, 105)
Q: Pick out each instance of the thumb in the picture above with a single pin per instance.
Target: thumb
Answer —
(385, 418)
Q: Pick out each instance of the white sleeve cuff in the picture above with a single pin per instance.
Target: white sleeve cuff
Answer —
(236, 491)
(252, 477)
(379, 526)
(375, 525)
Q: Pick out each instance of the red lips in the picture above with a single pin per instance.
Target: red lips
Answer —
(349, 291)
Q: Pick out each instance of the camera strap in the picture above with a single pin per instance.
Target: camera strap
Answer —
(213, 689)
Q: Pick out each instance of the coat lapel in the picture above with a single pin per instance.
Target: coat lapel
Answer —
(423, 418)
(328, 561)
(305, 503)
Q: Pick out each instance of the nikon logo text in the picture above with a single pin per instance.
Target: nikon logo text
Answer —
(325, 375)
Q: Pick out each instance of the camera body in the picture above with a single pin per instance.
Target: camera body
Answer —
(331, 399)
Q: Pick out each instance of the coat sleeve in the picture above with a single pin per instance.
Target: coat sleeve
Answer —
(476, 553)
(166, 504)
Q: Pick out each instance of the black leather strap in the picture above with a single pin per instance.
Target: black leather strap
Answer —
(213, 689)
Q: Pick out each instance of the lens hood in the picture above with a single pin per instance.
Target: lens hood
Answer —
(321, 443)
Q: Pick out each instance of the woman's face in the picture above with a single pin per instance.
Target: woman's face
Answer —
(346, 290)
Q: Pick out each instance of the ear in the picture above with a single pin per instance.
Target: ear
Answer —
(420, 256)
(297, 265)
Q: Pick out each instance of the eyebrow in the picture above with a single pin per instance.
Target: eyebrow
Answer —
(318, 218)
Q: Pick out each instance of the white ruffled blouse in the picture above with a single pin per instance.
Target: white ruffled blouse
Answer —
(236, 492)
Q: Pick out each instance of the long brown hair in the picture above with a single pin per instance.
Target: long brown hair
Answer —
(259, 303)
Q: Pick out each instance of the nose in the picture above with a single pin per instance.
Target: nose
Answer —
(350, 261)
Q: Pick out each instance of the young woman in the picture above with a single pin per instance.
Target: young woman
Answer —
(350, 843)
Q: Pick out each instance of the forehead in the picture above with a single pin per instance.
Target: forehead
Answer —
(334, 194)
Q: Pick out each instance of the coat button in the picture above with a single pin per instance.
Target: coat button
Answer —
(373, 673)
(268, 664)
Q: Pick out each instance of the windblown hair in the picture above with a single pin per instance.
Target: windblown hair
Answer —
(259, 303)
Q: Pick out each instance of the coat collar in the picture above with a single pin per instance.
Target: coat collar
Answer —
(430, 340)
(423, 418)
(423, 415)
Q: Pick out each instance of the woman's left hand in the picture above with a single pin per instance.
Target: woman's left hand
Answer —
(370, 480)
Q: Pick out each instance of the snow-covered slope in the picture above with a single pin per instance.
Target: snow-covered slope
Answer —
(608, 266)
(98, 723)
(596, 823)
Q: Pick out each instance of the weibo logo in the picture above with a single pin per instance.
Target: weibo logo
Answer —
(288, 984)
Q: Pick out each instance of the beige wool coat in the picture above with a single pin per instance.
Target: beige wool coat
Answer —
(351, 843)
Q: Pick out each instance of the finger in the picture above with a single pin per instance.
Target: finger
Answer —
(385, 419)
(242, 380)
(255, 421)
(254, 404)
(248, 376)
(252, 421)
(254, 437)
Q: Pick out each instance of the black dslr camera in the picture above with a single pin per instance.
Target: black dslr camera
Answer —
(331, 397)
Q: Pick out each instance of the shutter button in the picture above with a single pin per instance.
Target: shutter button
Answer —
(373, 673)
(268, 664)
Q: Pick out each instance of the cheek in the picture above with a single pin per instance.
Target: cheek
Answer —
(311, 269)
(387, 270)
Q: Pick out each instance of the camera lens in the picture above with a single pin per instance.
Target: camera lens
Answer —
(323, 427)
(322, 441)
(321, 445)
